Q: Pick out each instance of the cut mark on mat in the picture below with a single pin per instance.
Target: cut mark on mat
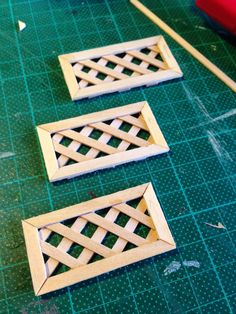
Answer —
(6, 155)
(219, 149)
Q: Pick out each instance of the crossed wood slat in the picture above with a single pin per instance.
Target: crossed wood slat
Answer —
(118, 67)
(121, 64)
(104, 225)
(100, 145)
(147, 214)
(63, 143)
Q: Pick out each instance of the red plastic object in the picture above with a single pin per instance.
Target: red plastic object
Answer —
(222, 11)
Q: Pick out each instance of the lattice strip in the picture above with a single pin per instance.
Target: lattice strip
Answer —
(65, 244)
(119, 67)
(99, 140)
(69, 223)
(80, 239)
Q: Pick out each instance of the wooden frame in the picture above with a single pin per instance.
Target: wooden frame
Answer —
(104, 70)
(148, 213)
(138, 117)
(186, 45)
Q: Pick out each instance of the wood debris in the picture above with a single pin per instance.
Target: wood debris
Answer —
(219, 226)
(21, 25)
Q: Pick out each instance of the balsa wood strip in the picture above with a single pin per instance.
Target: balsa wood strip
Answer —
(186, 45)
(124, 72)
(156, 213)
(85, 207)
(98, 236)
(64, 245)
(129, 65)
(116, 229)
(61, 141)
(48, 150)
(148, 59)
(62, 160)
(35, 256)
(120, 134)
(70, 153)
(153, 126)
(140, 123)
(81, 239)
(135, 214)
(89, 141)
(103, 115)
(108, 161)
(104, 69)
(85, 76)
(74, 276)
(83, 266)
(58, 255)
(130, 226)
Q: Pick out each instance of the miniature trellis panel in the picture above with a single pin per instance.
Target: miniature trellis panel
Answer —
(79, 242)
(100, 140)
(118, 67)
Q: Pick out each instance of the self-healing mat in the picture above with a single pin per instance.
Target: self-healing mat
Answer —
(100, 140)
(118, 67)
(79, 242)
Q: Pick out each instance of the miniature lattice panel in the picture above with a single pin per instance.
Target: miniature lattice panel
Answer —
(100, 140)
(119, 67)
(79, 242)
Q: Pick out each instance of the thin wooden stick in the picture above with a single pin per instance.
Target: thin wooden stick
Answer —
(182, 42)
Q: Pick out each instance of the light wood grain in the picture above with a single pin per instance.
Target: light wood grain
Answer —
(86, 207)
(186, 45)
(35, 256)
(59, 167)
(158, 240)
(90, 85)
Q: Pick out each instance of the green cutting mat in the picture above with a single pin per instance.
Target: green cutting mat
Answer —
(195, 183)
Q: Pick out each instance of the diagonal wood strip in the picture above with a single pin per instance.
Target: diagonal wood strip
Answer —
(128, 64)
(61, 149)
(81, 239)
(157, 63)
(135, 214)
(104, 138)
(85, 76)
(74, 145)
(58, 255)
(79, 268)
(89, 141)
(131, 226)
(100, 233)
(120, 134)
(140, 123)
(116, 229)
(65, 244)
(154, 48)
(94, 73)
(98, 236)
(103, 69)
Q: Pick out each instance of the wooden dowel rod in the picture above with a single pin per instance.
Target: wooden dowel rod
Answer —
(180, 40)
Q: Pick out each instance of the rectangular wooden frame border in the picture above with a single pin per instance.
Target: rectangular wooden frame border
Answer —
(43, 283)
(170, 69)
(157, 145)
